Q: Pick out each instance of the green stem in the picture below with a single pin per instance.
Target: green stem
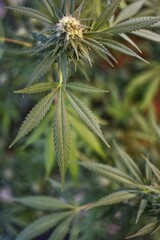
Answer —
(60, 77)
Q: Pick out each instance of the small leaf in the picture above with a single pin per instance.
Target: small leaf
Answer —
(106, 15)
(42, 68)
(62, 136)
(86, 115)
(34, 117)
(154, 169)
(37, 88)
(148, 229)
(43, 203)
(141, 209)
(80, 87)
(48, 7)
(31, 13)
(114, 198)
(41, 225)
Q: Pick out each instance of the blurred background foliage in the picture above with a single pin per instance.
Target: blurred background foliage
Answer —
(129, 114)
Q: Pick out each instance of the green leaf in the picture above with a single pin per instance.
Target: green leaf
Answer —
(129, 40)
(86, 115)
(121, 48)
(62, 136)
(148, 229)
(114, 198)
(154, 169)
(48, 7)
(139, 80)
(141, 209)
(75, 230)
(110, 173)
(106, 15)
(129, 11)
(34, 117)
(41, 225)
(42, 68)
(49, 154)
(37, 88)
(87, 136)
(73, 163)
(130, 164)
(132, 25)
(72, 6)
(31, 13)
(44, 203)
(150, 93)
(148, 35)
(61, 230)
(79, 9)
(63, 64)
(80, 87)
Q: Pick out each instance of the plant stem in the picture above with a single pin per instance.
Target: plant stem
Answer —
(16, 42)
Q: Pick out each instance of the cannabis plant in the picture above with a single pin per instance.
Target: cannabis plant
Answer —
(69, 36)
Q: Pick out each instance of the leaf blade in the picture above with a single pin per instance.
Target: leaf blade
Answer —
(86, 115)
(62, 136)
(34, 117)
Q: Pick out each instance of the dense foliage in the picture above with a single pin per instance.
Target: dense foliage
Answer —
(73, 41)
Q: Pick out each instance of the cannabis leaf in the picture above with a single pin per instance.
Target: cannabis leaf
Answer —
(62, 136)
(114, 198)
(35, 116)
(30, 12)
(37, 88)
(86, 115)
(80, 87)
(59, 221)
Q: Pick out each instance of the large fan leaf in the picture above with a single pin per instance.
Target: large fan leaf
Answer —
(41, 225)
(31, 13)
(86, 115)
(43, 203)
(34, 117)
(114, 198)
(106, 15)
(62, 136)
(80, 87)
(37, 88)
(132, 25)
